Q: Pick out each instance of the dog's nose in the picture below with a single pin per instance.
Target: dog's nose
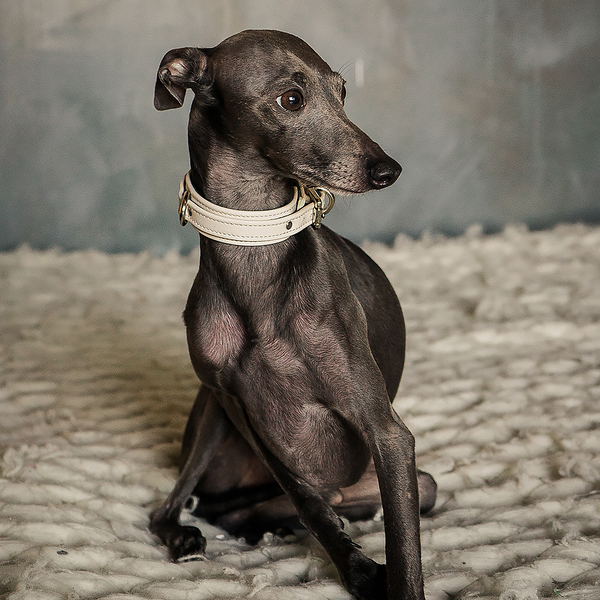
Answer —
(384, 173)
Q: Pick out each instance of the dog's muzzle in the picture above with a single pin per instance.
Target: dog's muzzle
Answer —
(253, 227)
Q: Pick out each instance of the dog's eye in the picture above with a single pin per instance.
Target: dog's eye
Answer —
(291, 100)
(343, 94)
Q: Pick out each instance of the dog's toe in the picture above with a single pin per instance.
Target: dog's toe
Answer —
(427, 491)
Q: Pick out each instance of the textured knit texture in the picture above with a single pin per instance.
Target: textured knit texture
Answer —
(501, 389)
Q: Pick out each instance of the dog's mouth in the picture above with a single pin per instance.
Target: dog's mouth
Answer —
(347, 187)
(343, 180)
(351, 175)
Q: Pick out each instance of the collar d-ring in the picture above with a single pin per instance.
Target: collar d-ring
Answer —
(319, 194)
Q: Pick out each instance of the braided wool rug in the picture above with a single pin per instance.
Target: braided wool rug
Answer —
(501, 389)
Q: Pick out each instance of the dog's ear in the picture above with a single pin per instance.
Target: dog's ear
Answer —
(179, 69)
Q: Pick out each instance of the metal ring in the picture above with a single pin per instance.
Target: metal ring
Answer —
(184, 210)
(318, 194)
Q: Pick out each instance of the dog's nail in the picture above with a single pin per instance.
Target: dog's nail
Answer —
(191, 558)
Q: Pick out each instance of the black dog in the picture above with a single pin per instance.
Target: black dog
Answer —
(296, 334)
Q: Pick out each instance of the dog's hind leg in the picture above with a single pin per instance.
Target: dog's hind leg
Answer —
(250, 512)
(362, 500)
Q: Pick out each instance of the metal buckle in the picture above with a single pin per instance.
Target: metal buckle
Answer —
(318, 194)
(184, 211)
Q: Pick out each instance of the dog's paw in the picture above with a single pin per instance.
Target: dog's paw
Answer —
(185, 543)
(367, 580)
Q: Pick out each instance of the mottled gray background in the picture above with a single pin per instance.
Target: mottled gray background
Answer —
(491, 106)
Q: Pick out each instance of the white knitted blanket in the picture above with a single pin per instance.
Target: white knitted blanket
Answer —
(501, 389)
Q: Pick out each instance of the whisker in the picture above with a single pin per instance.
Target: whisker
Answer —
(346, 68)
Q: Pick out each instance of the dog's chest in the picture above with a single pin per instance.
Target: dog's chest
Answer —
(312, 441)
(215, 340)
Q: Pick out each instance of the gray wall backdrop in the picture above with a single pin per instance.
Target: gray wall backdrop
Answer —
(491, 106)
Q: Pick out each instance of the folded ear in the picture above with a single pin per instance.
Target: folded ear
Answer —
(179, 69)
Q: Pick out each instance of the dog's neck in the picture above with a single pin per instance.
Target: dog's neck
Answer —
(234, 180)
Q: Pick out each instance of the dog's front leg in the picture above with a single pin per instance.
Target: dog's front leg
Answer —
(392, 446)
(362, 577)
(206, 428)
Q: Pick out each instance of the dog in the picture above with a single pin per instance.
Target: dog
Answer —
(296, 335)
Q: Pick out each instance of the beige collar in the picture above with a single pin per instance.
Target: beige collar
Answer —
(253, 227)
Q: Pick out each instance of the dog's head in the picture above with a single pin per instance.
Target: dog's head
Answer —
(269, 95)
